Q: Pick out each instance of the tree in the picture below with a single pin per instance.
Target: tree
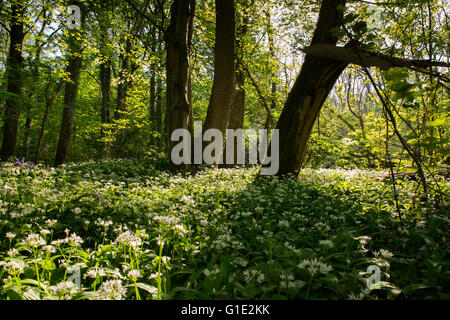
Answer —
(74, 61)
(237, 108)
(223, 86)
(178, 45)
(310, 91)
(105, 68)
(14, 79)
(324, 62)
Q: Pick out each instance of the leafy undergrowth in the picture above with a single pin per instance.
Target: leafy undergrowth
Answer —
(128, 229)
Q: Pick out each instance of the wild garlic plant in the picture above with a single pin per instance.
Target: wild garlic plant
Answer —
(123, 229)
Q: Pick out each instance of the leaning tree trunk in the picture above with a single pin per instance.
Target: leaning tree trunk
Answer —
(312, 86)
(14, 81)
(177, 38)
(223, 86)
(73, 69)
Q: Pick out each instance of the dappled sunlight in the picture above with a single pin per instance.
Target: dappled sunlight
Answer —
(133, 230)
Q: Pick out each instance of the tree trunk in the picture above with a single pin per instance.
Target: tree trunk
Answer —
(48, 103)
(224, 67)
(269, 119)
(237, 112)
(236, 119)
(152, 103)
(105, 81)
(177, 38)
(123, 85)
(311, 89)
(105, 69)
(73, 69)
(14, 81)
(223, 86)
(159, 141)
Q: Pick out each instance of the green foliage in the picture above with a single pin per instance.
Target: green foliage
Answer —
(135, 231)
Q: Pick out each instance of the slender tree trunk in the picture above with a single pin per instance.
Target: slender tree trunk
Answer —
(105, 81)
(159, 127)
(177, 39)
(312, 86)
(14, 81)
(48, 103)
(224, 68)
(159, 114)
(123, 85)
(35, 79)
(28, 120)
(105, 70)
(152, 103)
(269, 120)
(73, 69)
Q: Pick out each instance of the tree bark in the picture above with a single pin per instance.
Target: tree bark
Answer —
(312, 86)
(178, 42)
(223, 86)
(104, 69)
(159, 141)
(14, 81)
(237, 112)
(73, 69)
(48, 103)
(368, 59)
(236, 119)
(152, 102)
(269, 119)
(124, 82)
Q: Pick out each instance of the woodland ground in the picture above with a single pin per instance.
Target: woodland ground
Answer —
(133, 230)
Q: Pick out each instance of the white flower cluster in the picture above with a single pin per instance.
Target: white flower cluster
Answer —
(128, 238)
(288, 281)
(326, 243)
(359, 296)
(254, 274)
(63, 289)
(210, 273)
(383, 253)
(95, 272)
(134, 275)
(112, 290)
(73, 240)
(14, 268)
(34, 240)
(315, 266)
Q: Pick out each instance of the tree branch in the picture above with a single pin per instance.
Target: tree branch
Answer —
(146, 16)
(368, 59)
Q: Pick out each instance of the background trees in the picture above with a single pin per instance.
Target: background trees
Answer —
(147, 67)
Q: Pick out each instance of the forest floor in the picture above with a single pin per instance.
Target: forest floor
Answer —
(125, 229)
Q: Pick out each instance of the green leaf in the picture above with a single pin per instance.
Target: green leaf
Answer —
(32, 294)
(437, 122)
(150, 289)
(386, 285)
